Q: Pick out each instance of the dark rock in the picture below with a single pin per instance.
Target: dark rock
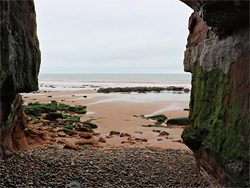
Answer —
(52, 116)
(125, 135)
(69, 131)
(156, 148)
(159, 118)
(61, 134)
(85, 135)
(92, 125)
(114, 133)
(163, 133)
(102, 140)
(179, 121)
(157, 131)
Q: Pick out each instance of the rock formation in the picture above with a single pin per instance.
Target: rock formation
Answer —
(20, 62)
(217, 55)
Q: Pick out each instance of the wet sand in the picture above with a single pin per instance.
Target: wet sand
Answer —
(114, 112)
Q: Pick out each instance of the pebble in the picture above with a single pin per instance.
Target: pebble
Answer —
(126, 167)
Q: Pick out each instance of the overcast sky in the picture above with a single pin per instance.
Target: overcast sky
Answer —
(112, 36)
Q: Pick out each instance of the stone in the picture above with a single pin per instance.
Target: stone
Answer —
(156, 148)
(163, 133)
(61, 134)
(141, 139)
(102, 140)
(130, 139)
(114, 133)
(180, 141)
(53, 140)
(128, 142)
(85, 135)
(52, 116)
(159, 118)
(125, 135)
(96, 134)
(63, 141)
(139, 132)
(69, 132)
(157, 131)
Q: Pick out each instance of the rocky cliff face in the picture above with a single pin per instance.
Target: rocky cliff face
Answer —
(217, 55)
(20, 62)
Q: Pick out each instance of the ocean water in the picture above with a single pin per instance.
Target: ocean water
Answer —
(90, 81)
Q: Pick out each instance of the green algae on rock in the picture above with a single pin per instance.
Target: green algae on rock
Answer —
(36, 108)
(19, 43)
(159, 118)
(217, 55)
(179, 121)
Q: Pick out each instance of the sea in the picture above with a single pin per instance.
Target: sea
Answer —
(98, 80)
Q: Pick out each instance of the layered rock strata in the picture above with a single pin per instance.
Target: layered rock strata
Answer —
(20, 62)
(217, 55)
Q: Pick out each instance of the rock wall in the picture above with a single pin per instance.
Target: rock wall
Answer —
(217, 55)
(20, 62)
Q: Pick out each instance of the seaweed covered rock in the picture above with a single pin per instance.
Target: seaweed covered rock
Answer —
(179, 121)
(159, 118)
(53, 116)
(141, 89)
(36, 109)
(217, 55)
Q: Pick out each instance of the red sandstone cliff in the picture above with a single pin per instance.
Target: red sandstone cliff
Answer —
(217, 55)
(20, 62)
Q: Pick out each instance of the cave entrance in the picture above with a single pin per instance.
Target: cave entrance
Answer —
(134, 48)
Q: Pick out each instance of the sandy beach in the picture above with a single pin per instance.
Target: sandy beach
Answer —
(116, 112)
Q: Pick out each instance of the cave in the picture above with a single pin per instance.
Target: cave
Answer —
(217, 55)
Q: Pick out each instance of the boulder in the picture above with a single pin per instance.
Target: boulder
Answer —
(102, 140)
(163, 133)
(125, 135)
(114, 133)
(61, 134)
(85, 135)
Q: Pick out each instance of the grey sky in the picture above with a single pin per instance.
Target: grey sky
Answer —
(112, 36)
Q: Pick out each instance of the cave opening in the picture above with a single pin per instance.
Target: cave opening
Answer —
(56, 119)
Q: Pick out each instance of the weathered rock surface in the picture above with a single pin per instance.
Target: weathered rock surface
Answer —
(20, 62)
(12, 134)
(20, 54)
(217, 55)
